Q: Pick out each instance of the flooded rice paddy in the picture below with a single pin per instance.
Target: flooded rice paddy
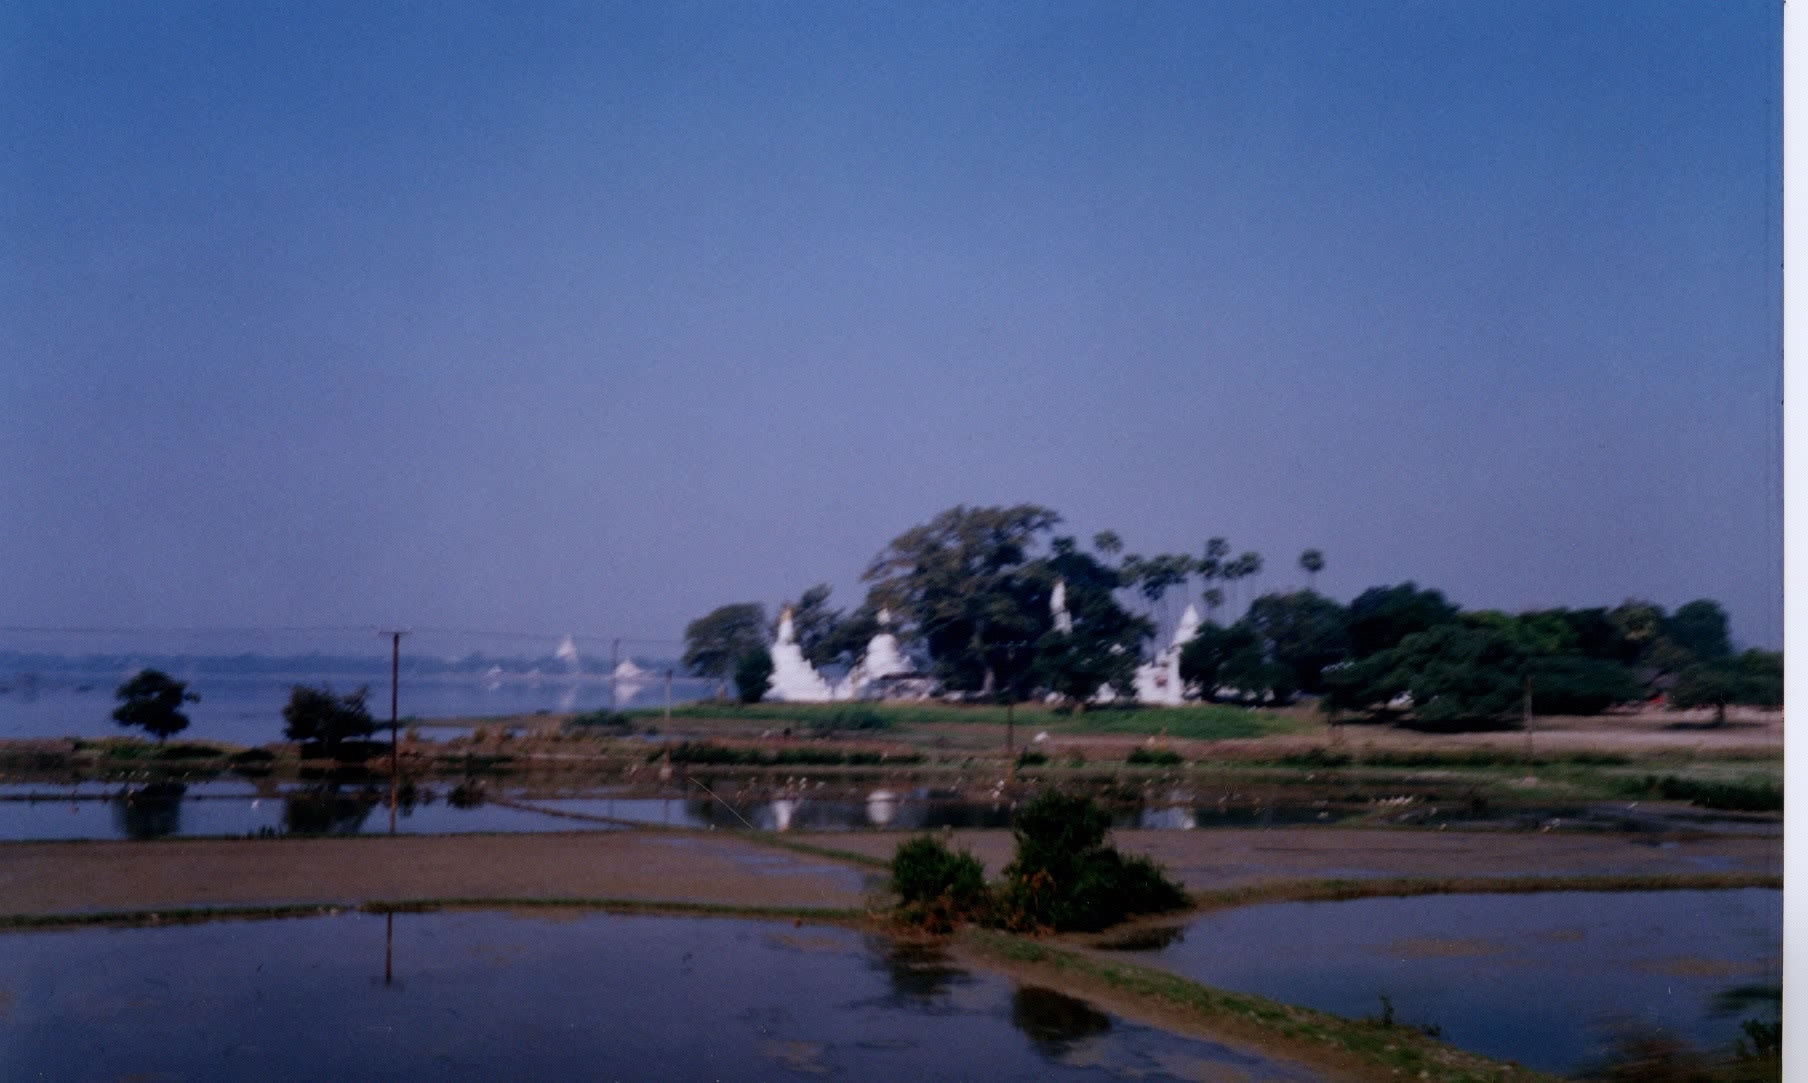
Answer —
(238, 808)
(1549, 980)
(487, 996)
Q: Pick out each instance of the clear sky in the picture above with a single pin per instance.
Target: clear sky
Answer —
(589, 318)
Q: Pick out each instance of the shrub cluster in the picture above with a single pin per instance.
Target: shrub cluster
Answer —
(1724, 796)
(937, 887)
(704, 753)
(1062, 878)
(1159, 757)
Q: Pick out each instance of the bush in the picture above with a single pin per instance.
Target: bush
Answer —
(1029, 757)
(1064, 878)
(849, 718)
(1160, 757)
(603, 719)
(753, 675)
(936, 887)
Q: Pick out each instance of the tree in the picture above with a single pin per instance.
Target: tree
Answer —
(1105, 642)
(1381, 617)
(1459, 673)
(1699, 627)
(962, 584)
(1314, 562)
(1302, 631)
(753, 674)
(1754, 678)
(715, 643)
(818, 627)
(317, 716)
(152, 700)
(1216, 652)
(1158, 575)
(1064, 876)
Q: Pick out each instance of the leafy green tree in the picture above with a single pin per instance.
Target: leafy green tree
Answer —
(1064, 876)
(1700, 628)
(1105, 642)
(1381, 617)
(713, 644)
(1314, 562)
(1575, 684)
(753, 675)
(963, 585)
(152, 700)
(1754, 678)
(1459, 673)
(1217, 654)
(317, 716)
(1303, 632)
(829, 636)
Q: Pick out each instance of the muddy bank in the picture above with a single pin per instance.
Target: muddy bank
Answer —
(1237, 857)
(60, 878)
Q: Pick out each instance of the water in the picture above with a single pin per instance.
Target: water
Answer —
(1546, 979)
(215, 809)
(580, 997)
(246, 709)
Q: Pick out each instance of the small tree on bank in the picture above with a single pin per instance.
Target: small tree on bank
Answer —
(317, 716)
(153, 701)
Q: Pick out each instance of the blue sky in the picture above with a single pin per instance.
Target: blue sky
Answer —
(589, 318)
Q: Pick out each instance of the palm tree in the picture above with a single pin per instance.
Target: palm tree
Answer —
(1314, 562)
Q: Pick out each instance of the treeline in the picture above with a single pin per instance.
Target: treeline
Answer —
(1403, 650)
(972, 593)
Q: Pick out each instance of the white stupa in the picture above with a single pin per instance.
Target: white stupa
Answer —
(1158, 681)
(1057, 608)
(882, 659)
(794, 679)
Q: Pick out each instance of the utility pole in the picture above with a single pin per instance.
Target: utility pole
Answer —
(395, 673)
(614, 653)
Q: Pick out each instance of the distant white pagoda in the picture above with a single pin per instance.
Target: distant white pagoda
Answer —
(794, 679)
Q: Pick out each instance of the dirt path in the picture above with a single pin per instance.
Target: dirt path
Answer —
(63, 878)
(1236, 857)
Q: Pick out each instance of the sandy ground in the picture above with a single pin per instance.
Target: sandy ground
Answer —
(62, 878)
(1234, 857)
(68, 878)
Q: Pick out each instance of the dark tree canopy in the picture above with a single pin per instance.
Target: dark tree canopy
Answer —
(318, 716)
(1699, 627)
(1381, 617)
(714, 643)
(1754, 678)
(753, 675)
(1303, 632)
(152, 700)
(1105, 642)
(963, 586)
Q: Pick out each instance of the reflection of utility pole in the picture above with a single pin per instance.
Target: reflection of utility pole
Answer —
(1528, 720)
(395, 674)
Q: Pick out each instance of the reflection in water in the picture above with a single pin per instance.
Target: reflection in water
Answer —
(1055, 1021)
(485, 996)
(921, 973)
(150, 812)
(328, 810)
(1145, 939)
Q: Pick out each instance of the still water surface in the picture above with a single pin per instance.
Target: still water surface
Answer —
(1545, 979)
(589, 996)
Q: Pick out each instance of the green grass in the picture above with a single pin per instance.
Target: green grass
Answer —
(1386, 1051)
(1200, 721)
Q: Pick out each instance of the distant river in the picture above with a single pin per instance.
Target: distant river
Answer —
(247, 709)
